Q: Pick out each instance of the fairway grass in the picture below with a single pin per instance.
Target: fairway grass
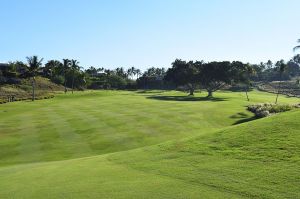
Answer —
(121, 144)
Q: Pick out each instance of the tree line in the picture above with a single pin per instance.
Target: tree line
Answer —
(187, 75)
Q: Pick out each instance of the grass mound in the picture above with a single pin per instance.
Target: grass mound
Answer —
(259, 159)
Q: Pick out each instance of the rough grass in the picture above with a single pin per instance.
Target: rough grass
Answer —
(208, 155)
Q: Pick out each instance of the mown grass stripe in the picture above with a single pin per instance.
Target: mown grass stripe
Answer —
(74, 144)
(30, 148)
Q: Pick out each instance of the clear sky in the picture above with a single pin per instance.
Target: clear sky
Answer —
(145, 33)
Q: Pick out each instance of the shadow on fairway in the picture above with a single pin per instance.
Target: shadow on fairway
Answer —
(239, 115)
(245, 120)
(239, 89)
(186, 98)
(150, 91)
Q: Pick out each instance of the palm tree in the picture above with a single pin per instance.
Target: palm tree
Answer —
(74, 67)
(133, 72)
(66, 65)
(129, 72)
(51, 66)
(33, 64)
(282, 66)
(138, 73)
(297, 47)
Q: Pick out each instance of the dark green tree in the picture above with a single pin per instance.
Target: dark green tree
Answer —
(242, 73)
(184, 73)
(215, 75)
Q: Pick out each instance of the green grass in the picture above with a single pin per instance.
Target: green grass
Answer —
(80, 147)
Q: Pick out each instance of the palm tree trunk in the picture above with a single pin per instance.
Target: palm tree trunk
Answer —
(278, 90)
(246, 91)
(65, 84)
(65, 87)
(33, 88)
(73, 82)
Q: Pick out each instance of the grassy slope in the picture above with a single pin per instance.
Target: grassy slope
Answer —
(257, 159)
(44, 89)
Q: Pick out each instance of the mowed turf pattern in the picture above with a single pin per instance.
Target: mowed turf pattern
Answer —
(153, 145)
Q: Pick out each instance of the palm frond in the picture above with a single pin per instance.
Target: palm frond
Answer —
(296, 48)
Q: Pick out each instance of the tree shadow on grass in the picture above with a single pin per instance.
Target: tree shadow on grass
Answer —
(245, 120)
(150, 91)
(186, 98)
(239, 89)
(239, 115)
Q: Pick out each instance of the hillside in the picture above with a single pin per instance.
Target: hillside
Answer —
(259, 159)
(22, 91)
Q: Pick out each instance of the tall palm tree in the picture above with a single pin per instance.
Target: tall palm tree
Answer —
(297, 47)
(66, 66)
(74, 67)
(282, 67)
(33, 65)
(138, 73)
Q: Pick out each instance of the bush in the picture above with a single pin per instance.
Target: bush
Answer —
(267, 109)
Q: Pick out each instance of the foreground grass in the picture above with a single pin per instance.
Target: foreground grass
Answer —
(259, 159)
(208, 155)
(91, 123)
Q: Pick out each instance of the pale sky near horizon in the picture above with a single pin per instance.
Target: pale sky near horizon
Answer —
(145, 33)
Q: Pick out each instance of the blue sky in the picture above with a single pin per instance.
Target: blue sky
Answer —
(145, 33)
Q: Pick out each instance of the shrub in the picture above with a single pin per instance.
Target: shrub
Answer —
(267, 109)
